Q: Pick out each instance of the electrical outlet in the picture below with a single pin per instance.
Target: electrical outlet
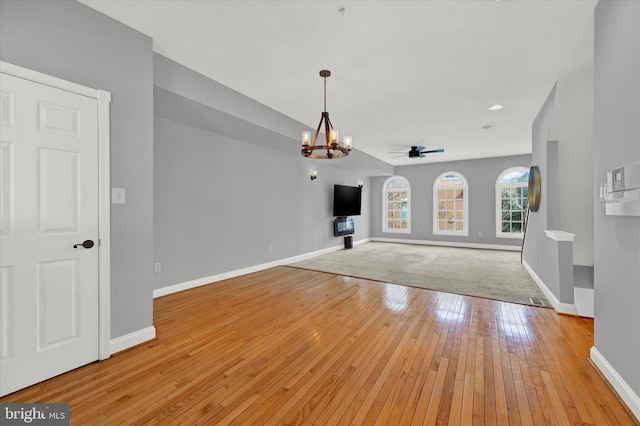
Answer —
(270, 248)
(157, 267)
(480, 234)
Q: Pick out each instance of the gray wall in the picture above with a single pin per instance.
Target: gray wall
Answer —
(572, 127)
(481, 176)
(220, 203)
(538, 248)
(230, 182)
(540, 252)
(71, 41)
(617, 143)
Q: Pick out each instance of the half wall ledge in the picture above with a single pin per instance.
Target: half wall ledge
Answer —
(559, 235)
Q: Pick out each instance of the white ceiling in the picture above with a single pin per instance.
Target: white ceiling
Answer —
(403, 72)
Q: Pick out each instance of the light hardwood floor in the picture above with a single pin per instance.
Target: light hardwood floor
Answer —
(292, 346)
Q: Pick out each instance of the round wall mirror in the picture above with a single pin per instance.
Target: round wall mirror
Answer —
(533, 197)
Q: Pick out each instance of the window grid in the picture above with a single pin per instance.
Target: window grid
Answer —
(511, 202)
(514, 207)
(450, 204)
(396, 209)
(450, 209)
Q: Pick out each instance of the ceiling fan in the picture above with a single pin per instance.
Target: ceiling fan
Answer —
(417, 152)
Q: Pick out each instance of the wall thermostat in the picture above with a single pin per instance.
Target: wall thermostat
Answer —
(622, 191)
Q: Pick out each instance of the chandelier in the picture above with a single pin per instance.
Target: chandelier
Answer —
(332, 148)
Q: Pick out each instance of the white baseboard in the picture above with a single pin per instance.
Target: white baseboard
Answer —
(132, 339)
(617, 382)
(163, 291)
(561, 308)
(447, 244)
(238, 272)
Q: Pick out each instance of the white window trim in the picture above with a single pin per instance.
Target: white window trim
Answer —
(465, 205)
(384, 207)
(498, 196)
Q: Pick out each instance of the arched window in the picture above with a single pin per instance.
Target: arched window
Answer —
(511, 202)
(396, 205)
(451, 204)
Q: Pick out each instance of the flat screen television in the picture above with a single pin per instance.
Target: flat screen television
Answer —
(346, 200)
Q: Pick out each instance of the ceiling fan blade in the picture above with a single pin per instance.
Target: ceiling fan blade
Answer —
(419, 148)
(432, 150)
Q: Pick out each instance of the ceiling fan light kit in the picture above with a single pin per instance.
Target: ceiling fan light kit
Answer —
(332, 148)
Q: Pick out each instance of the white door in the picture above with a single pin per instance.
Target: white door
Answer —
(48, 205)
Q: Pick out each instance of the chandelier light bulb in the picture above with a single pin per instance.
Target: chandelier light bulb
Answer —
(347, 142)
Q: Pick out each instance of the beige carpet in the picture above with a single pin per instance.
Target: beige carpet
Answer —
(493, 274)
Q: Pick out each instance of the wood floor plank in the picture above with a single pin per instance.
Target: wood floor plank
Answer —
(345, 372)
(437, 394)
(385, 379)
(482, 387)
(393, 408)
(417, 402)
(292, 346)
(500, 407)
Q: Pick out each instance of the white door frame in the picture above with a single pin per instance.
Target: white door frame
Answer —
(104, 201)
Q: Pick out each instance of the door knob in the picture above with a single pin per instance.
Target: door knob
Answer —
(86, 244)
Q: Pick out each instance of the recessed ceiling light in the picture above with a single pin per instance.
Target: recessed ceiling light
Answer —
(496, 107)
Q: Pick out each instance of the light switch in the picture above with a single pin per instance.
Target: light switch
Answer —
(118, 196)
